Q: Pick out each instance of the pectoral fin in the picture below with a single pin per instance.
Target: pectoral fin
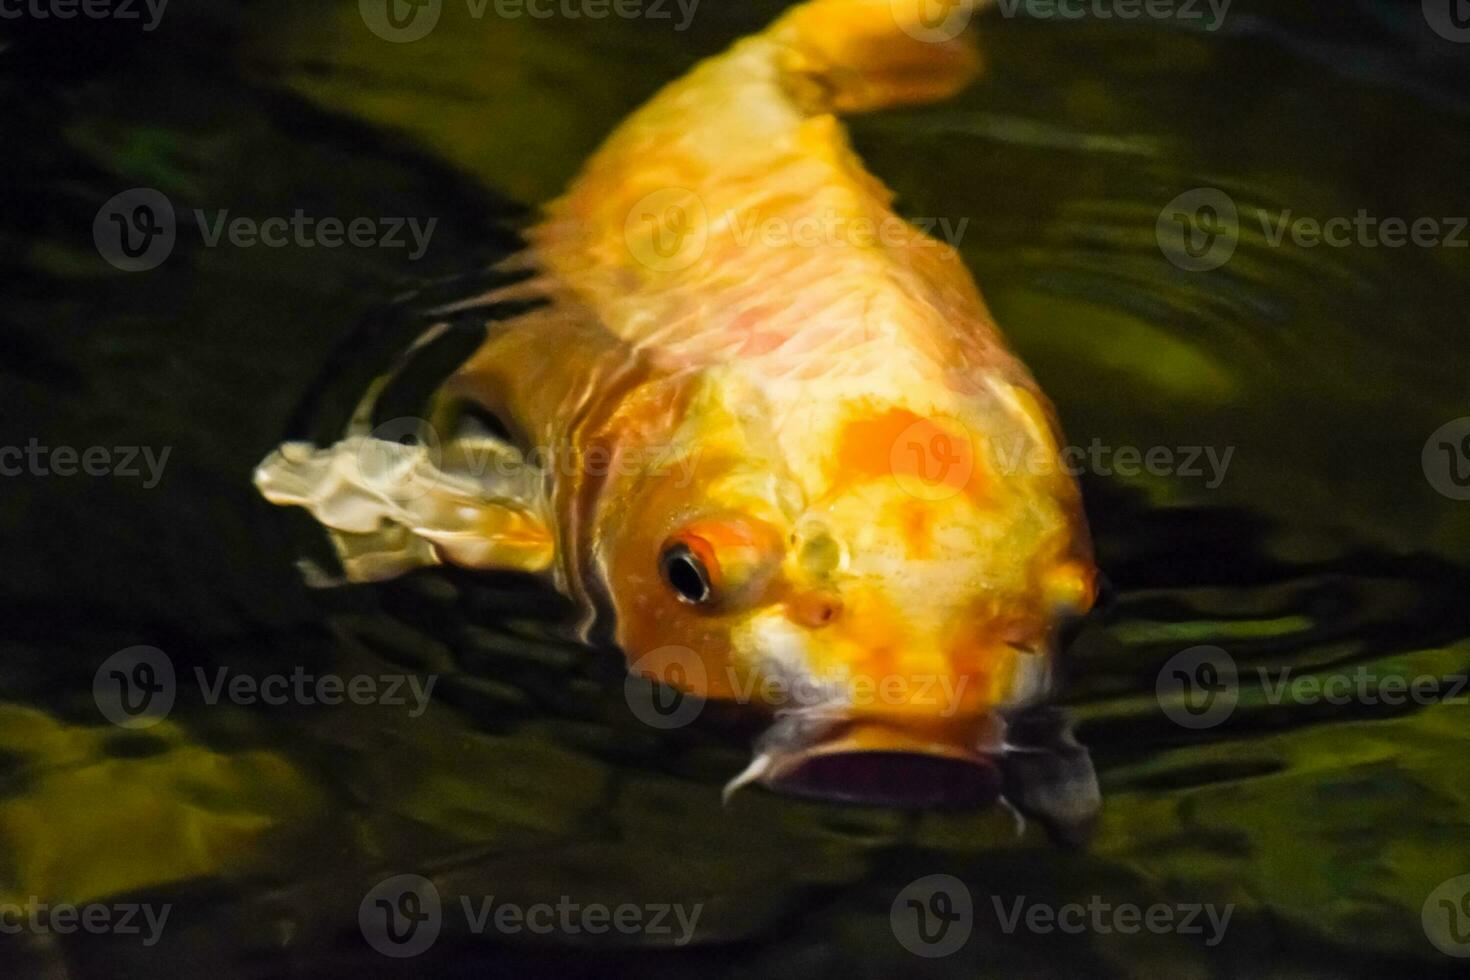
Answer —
(393, 507)
(1049, 776)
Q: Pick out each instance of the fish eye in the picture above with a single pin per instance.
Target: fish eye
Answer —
(722, 561)
(687, 574)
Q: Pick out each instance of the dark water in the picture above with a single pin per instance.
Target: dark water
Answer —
(1325, 550)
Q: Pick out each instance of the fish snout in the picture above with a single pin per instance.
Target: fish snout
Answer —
(881, 765)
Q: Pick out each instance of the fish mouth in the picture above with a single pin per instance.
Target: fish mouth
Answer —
(871, 764)
(910, 780)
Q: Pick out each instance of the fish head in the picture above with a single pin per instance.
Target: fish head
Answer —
(886, 578)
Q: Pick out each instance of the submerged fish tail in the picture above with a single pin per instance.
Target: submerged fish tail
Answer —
(664, 211)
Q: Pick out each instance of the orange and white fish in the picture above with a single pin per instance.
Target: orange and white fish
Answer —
(765, 434)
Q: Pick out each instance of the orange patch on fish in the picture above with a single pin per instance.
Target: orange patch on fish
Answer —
(931, 458)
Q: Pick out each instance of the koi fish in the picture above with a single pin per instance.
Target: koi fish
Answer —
(765, 434)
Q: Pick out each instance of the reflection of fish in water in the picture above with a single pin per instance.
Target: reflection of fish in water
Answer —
(781, 453)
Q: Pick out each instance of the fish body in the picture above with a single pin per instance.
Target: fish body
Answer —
(783, 455)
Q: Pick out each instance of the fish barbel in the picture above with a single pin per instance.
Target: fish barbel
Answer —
(766, 434)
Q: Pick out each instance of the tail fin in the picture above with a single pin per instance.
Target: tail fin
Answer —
(856, 55)
(756, 121)
(822, 57)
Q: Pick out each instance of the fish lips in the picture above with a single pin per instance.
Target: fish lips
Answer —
(1031, 762)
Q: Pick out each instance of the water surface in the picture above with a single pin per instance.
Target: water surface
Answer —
(1323, 549)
